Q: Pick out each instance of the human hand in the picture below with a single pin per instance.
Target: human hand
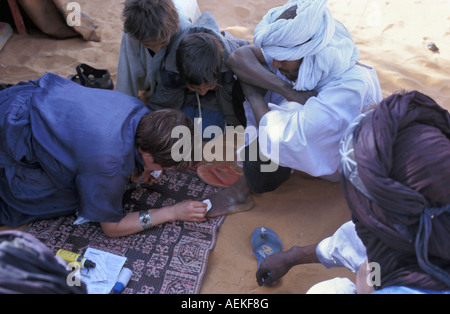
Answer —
(361, 279)
(273, 268)
(189, 210)
(299, 96)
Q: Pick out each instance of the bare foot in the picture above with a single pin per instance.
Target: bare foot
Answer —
(235, 199)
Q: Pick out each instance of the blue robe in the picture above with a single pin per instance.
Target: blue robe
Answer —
(65, 149)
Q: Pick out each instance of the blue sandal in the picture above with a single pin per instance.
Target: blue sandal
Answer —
(265, 242)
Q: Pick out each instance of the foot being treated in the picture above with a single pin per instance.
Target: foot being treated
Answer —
(235, 199)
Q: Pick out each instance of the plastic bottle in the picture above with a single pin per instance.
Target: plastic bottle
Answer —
(71, 257)
(122, 280)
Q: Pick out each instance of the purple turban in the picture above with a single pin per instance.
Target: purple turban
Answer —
(396, 180)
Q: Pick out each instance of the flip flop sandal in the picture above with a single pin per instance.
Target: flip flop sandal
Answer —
(265, 242)
(217, 175)
(91, 77)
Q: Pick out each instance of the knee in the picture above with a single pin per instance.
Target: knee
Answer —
(262, 182)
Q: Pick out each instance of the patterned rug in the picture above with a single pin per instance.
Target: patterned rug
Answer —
(167, 259)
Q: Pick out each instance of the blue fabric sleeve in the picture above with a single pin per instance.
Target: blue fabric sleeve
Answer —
(100, 187)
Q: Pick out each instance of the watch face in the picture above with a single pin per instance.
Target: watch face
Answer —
(145, 220)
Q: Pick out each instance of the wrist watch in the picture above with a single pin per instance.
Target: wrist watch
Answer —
(145, 220)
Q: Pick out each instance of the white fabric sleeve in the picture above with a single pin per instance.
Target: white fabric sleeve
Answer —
(343, 249)
(306, 137)
(333, 286)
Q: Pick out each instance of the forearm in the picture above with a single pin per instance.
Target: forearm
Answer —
(255, 96)
(302, 255)
(248, 64)
(263, 78)
(130, 223)
(277, 265)
(184, 211)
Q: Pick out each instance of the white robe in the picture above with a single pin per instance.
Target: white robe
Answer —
(308, 136)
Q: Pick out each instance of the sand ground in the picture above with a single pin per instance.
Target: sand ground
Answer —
(392, 36)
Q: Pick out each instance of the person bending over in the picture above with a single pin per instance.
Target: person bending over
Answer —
(67, 149)
(153, 31)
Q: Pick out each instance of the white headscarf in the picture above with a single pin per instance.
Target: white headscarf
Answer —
(325, 45)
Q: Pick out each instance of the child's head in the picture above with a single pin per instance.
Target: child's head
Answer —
(151, 22)
(154, 136)
(199, 61)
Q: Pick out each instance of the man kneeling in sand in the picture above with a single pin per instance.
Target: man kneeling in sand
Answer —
(303, 86)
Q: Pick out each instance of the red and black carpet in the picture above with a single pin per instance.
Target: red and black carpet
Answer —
(167, 259)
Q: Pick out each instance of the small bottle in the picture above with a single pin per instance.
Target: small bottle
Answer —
(71, 257)
(122, 280)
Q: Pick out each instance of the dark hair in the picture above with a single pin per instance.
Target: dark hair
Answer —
(154, 136)
(199, 58)
(289, 14)
(150, 20)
